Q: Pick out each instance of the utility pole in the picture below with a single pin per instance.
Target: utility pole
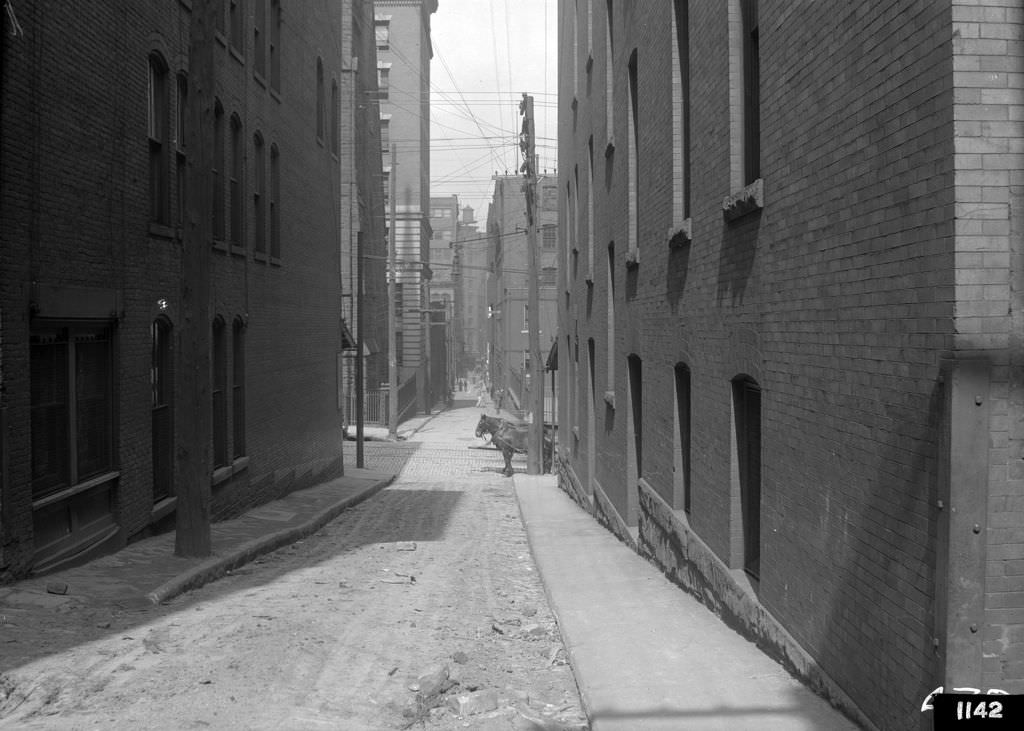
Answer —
(392, 289)
(192, 519)
(527, 143)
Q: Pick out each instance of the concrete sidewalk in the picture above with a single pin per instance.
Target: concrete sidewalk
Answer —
(646, 654)
(147, 572)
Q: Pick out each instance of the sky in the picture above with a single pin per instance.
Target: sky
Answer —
(487, 53)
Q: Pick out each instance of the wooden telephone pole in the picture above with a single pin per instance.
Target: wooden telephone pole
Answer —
(392, 309)
(192, 520)
(527, 143)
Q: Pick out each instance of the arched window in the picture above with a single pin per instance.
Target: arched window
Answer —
(319, 99)
(159, 140)
(275, 203)
(682, 438)
(259, 223)
(217, 173)
(219, 394)
(746, 399)
(238, 386)
(236, 181)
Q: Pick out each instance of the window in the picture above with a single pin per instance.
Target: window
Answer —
(220, 17)
(218, 390)
(275, 198)
(259, 223)
(590, 210)
(181, 171)
(217, 181)
(549, 236)
(634, 432)
(335, 113)
(238, 386)
(751, 93)
(382, 30)
(610, 303)
(162, 418)
(746, 395)
(319, 100)
(681, 470)
(385, 136)
(259, 23)
(275, 45)
(681, 112)
(236, 181)
(609, 76)
(159, 141)
(548, 276)
(72, 405)
(576, 49)
(237, 16)
(383, 80)
(633, 143)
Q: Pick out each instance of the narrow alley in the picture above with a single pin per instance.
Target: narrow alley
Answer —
(418, 608)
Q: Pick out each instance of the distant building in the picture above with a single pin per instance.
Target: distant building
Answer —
(92, 218)
(443, 287)
(508, 284)
(471, 248)
(790, 321)
(403, 69)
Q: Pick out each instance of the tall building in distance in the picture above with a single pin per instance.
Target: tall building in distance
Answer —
(790, 320)
(444, 227)
(96, 220)
(508, 282)
(403, 79)
(471, 250)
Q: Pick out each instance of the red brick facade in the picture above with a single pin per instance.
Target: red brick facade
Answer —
(82, 244)
(832, 315)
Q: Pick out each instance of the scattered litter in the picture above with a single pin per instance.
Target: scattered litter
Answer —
(392, 671)
(406, 546)
(497, 629)
(57, 587)
(460, 657)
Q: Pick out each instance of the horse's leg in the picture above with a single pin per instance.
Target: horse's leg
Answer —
(506, 452)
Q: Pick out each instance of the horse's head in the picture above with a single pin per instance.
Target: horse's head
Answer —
(483, 425)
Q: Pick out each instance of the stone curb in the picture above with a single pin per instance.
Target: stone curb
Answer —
(214, 568)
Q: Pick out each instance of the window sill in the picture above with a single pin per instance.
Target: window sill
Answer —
(609, 398)
(221, 38)
(237, 55)
(237, 250)
(75, 489)
(162, 509)
(239, 464)
(275, 94)
(161, 230)
(260, 256)
(680, 235)
(221, 475)
(260, 79)
(275, 261)
(742, 202)
(220, 246)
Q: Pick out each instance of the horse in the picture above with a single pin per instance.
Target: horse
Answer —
(512, 438)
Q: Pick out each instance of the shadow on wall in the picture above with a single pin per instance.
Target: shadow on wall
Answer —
(675, 274)
(736, 258)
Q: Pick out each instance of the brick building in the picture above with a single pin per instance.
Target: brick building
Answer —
(403, 69)
(508, 281)
(92, 215)
(471, 248)
(790, 318)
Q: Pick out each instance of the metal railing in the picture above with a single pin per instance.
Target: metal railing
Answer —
(376, 402)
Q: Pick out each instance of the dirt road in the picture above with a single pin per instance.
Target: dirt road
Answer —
(420, 608)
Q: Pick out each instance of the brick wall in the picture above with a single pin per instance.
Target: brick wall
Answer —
(76, 214)
(880, 125)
